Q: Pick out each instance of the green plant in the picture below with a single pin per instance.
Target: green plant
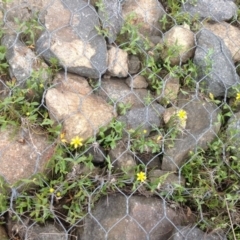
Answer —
(109, 136)
(3, 61)
(123, 108)
(29, 29)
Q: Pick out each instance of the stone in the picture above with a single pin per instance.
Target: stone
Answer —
(23, 153)
(110, 15)
(145, 118)
(122, 158)
(181, 39)
(81, 114)
(117, 62)
(134, 64)
(230, 36)
(202, 126)
(170, 89)
(3, 234)
(188, 233)
(72, 82)
(217, 10)
(24, 230)
(130, 217)
(216, 71)
(137, 81)
(77, 46)
(146, 15)
(117, 91)
(23, 61)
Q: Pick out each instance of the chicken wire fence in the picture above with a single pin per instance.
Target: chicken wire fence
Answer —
(119, 119)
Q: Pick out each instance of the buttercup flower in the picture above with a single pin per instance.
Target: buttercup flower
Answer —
(144, 131)
(51, 190)
(62, 138)
(182, 115)
(58, 194)
(238, 97)
(76, 142)
(141, 176)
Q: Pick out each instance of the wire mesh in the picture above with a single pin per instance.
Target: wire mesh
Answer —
(119, 119)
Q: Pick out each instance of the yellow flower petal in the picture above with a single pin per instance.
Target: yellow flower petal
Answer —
(141, 176)
(77, 142)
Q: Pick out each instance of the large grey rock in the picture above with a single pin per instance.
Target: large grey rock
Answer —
(216, 70)
(145, 118)
(188, 233)
(110, 14)
(23, 61)
(146, 15)
(117, 91)
(229, 34)
(118, 217)
(24, 153)
(72, 38)
(201, 128)
(81, 112)
(24, 230)
(217, 10)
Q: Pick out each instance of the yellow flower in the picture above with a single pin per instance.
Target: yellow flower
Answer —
(58, 194)
(141, 176)
(41, 85)
(182, 115)
(144, 131)
(76, 142)
(62, 138)
(211, 96)
(238, 96)
(51, 190)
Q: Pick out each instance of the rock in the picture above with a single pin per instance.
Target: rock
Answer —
(145, 118)
(170, 89)
(216, 70)
(188, 233)
(35, 232)
(165, 180)
(81, 114)
(133, 64)
(116, 90)
(229, 34)
(182, 40)
(28, 149)
(148, 23)
(23, 61)
(110, 14)
(77, 46)
(202, 127)
(217, 10)
(149, 159)
(3, 234)
(136, 81)
(72, 82)
(136, 217)
(117, 62)
(122, 159)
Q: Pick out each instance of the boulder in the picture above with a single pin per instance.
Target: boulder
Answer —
(80, 112)
(202, 126)
(77, 45)
(230, 36)
(130, 217)
(216, 71)
(217, 10)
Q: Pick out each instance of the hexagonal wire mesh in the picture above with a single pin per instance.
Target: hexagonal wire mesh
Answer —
(119, 119)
